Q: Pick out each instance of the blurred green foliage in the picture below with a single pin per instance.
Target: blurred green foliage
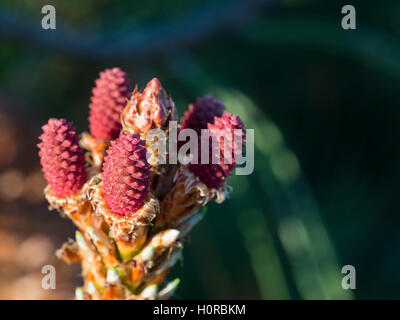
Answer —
(324, 106)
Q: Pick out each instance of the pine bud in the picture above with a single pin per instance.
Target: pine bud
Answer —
(110, 95)
(61, 157)
(213, 175)
(202, 112)
(126, 175)
(152, 108)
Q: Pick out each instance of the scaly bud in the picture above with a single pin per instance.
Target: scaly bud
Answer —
(109, 98)
(122, 194)
(61, 157)
(126, 175)
(152, 108)
(202, 112)
(214, 175)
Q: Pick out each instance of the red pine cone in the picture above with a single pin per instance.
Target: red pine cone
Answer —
(126, 174)
(61, 157)
(213, 175)
(109, 98)
(202, 112)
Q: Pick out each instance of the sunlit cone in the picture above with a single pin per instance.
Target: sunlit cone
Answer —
(124, 199)
(64, 169)
(126, 175)
(110, 95)
(61, 158)
(130, 231)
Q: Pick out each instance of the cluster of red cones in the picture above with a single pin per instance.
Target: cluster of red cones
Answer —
(126, 172)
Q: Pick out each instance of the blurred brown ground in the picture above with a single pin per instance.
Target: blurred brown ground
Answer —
(29, 232)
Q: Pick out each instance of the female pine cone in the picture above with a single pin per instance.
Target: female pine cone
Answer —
(126, 175)
(201, 113)
(61, 157)
(109, 98)
(229, 132)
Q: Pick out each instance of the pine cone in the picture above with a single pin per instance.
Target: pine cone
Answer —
(213, 175)
(109, 98)
(202, 112)
(61, 157)
(126, 175)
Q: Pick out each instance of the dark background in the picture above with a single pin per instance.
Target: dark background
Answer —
(324, 104)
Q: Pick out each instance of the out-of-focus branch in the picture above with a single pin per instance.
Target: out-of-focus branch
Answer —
(138, 43)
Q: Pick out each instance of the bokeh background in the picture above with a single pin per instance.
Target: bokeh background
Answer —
(324, 104)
